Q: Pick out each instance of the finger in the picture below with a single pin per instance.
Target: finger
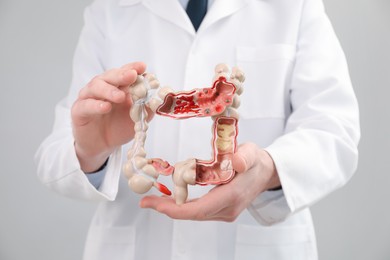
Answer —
(100, 89)
(105, 86)
(128, 75)
(151, 201)
(90, 107)
(165, 205)
(124, 76)
(119, 77)
(168, 207)
(211, 206)
(204, 208)
(245, 157)
(223, 215)
(138, 66)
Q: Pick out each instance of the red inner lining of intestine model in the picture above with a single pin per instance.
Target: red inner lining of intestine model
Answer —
(219, 170)
(200, 102)
(205, 102)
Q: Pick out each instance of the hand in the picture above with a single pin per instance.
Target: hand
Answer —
(100, 115)
(255, 173)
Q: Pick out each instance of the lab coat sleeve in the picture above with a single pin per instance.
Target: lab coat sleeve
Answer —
(58, 166)
(318, 151)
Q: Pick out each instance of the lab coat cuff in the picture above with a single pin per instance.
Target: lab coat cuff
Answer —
(74, 182)
(269, 208)
(110, 182)
(272, 207)
(96, 178)
(282, 170)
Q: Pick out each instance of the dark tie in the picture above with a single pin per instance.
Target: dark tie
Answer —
(196, 10)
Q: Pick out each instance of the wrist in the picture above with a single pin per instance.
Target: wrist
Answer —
(91, 162)
(100, 168)
(270, 168)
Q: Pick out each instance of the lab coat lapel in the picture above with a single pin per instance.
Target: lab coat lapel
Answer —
(221, 9)
(169, 10)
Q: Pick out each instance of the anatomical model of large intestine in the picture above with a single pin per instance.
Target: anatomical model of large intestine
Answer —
(219, 102)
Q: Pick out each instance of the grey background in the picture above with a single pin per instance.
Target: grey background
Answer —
(37, 40)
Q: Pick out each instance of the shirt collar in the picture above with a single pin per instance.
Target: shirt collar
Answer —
(184, 3)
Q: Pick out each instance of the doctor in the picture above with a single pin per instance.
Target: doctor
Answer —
(299, 128)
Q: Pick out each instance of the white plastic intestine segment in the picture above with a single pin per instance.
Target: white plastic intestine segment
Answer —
(185, 174)
(235, 76)
(141, 172)
(156, 100)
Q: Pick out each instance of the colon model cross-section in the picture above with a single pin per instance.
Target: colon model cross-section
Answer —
(219, 102)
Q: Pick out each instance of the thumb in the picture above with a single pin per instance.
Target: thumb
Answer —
(245, 157)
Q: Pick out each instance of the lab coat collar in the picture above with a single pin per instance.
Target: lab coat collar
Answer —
(128, 2)
(163, 8)
(221, 9)
(170, 10)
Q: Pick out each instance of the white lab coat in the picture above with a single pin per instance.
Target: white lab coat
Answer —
(298, 103)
